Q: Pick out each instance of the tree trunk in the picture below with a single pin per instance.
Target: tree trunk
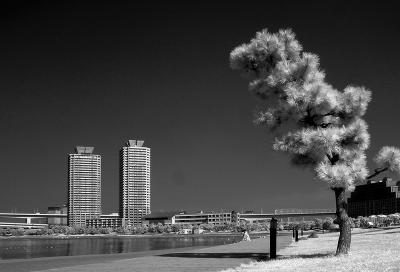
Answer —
(344, 222)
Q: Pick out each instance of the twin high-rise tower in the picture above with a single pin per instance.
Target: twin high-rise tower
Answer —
(134, 199)
(84, 184)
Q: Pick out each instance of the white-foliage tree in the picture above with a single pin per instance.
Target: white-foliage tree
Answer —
(387, 159)
(319, 126)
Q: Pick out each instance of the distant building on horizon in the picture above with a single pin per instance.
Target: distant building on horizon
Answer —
(375, 198)
(184, 218)
(84, 186)
(57, 210)
(134, 201)
(112, 220)
(218, 218)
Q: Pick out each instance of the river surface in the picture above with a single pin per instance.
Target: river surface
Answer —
(37, 247)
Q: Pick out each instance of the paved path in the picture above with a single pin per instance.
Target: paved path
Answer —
(205, 259)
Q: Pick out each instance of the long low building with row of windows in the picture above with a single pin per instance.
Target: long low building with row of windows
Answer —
(217, 218)
(188, 218)
(112, 220)
(181, 217)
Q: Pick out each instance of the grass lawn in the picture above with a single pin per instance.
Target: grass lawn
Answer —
(371, 250)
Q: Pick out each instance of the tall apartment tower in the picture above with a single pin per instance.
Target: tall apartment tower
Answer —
(84, 186)
(134, 183)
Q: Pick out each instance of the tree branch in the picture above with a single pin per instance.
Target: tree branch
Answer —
(333, 159)
(377, 172)
(309, 119)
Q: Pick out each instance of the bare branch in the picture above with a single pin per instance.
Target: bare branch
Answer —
(377, 172)
(333, 159)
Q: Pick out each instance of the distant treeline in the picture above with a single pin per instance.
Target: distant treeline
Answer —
(373, 221)
(377, 221)
(144, 229)
(152, 229)
(318, 224)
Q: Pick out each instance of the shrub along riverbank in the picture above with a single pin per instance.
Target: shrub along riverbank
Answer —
(319, 224)
(163, 229)
(137, 230)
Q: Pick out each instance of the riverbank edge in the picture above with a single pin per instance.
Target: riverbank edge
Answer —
(168, 235)
(45, 263)
(111, 256)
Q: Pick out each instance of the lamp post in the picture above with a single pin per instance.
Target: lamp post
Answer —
(272, 238)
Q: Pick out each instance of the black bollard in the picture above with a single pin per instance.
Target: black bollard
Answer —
(293, 232)
(297, 235)
(272, 238)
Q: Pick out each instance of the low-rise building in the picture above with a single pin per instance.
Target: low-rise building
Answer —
(105, 221)
(251, 217)
(188, 218)
(235, 217)
(374, 198)
(202, 218)
(57, 210)
(165, 218)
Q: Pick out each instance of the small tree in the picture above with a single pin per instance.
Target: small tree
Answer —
(318, 223)
(176, 227)
(3, 232)
(320, 127)
(121, 230)
(395, 219)
(144, 229)
(104, 231)
(207, 227)
(152, 228)
(160, 228)
(17, 232)
(168, 229)
(328, 223)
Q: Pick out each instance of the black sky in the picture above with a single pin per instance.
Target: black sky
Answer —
(100, 74)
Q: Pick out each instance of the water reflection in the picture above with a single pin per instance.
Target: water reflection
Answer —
(48, 247)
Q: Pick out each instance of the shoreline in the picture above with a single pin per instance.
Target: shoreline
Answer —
(45, 263)
(116, 256)
(162, 235)
(175, 257)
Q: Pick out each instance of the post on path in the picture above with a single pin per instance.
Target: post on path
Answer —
(293, 231)
(272, 238)
(297, 235)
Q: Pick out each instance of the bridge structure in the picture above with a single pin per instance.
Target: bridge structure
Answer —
(22, 225)
(288, 215)
(304, 211)
(28, 219)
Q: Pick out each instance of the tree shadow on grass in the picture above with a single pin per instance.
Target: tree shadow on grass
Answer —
(246, 255)
(307, 256)
(389, 232)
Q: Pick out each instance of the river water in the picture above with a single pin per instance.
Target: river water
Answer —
(37, 247)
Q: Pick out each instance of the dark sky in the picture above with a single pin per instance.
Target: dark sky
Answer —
(98, 75)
